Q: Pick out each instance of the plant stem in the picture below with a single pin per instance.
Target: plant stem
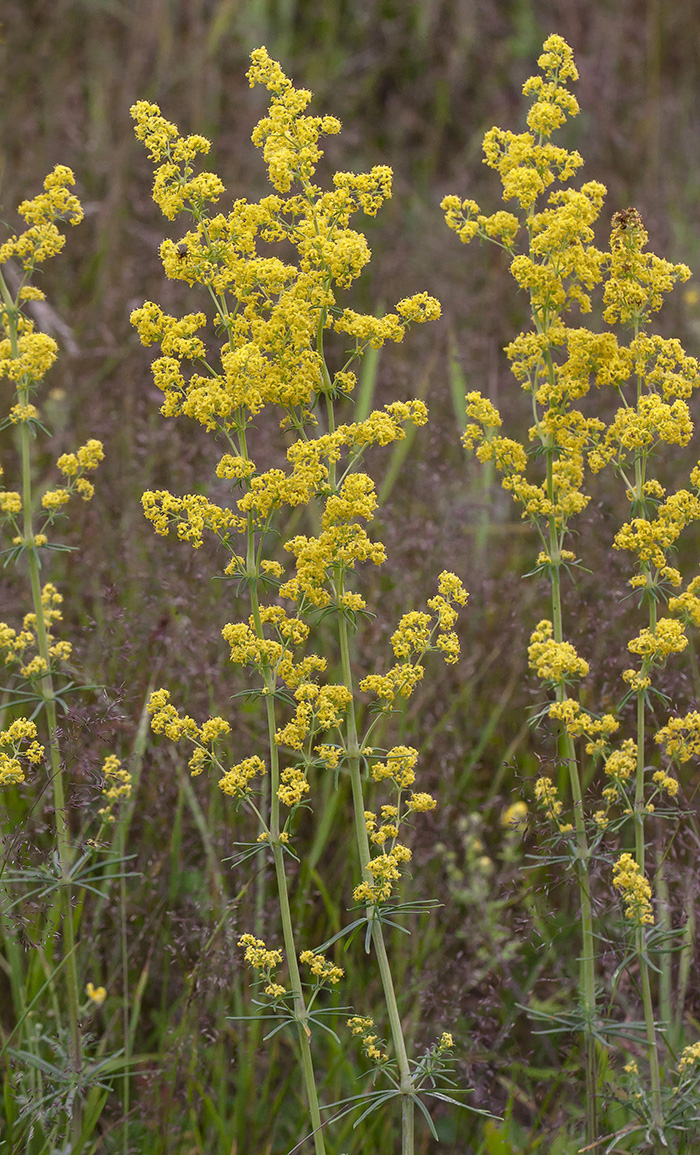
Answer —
(300, 1011)
(49, 708)
(353, 754)
(640, 854)
(588, 952)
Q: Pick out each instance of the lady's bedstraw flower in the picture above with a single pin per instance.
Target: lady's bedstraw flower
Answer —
(263, 960)
(266, 961)
(690, 1058)
(322, 971)
(117, 786)
(42, 239)
(620, 768)
(371, 1043)
(96, 995)
(680, 737)
(546, 795)
(17, 744)
(555, 662)
(637, 281)
(634, 890)
(267, 349)
(514, 817)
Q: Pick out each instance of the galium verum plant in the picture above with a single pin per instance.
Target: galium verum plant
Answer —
(271, 317)
(549, 239)
(54, 1072)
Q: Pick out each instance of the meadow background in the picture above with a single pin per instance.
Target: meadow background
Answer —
(415, 83)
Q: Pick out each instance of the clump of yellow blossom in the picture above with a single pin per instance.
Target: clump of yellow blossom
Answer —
(322, 971)
(634, 890)
(555, 662)
(96, 995)
(17, 744)
(42, 238)
(680, 737)
(546, 794)
(117, 786)
(263, 960)
(514, 817)
(371, 1043)
(20, 648)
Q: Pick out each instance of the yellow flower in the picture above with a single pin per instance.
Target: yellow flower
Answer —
(680, 737)
(97, 995)
(323, 972)
(634, 889)
(514, 817)
(555, 662)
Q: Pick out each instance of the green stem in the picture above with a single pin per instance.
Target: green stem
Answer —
(657, 1111)
(353, 755)
(640, 855)
(567, 748)
(126, 1001)
(300, 1009)
(49, 706)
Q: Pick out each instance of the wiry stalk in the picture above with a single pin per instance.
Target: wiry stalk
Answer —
(353, 755)
(582, 867)
(46, 689)
(300, 1010)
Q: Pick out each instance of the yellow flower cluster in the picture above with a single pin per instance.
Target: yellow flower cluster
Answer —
(73, 466)
(264, 960)
(638, 281)
(578, 723)
(13, 750)
(192, 514)
(665, 782)
(20, 649)
(385, 872)
(546, 795)
(362, 1025)
(340, 545)
(634, 890)
(319, 708)
(621, 765)
(269, 355)
(555, 662)
(690, 1057)
(398, 770)
(414, 637)
(236, 781)
(294, 786)
(175, 186)
(323, 971)
(399, 767)
(680, 737)
(166, 719)
(651, 540)
(117, 786)
(42, 239)
(687, 605)
(668, 637)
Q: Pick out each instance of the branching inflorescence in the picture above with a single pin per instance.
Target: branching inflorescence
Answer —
(549, 239)
(271, 317)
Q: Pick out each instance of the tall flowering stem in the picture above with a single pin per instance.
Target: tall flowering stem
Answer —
(557, 268)
(663, 377)
(556, 363)
(34, 655)
(272, 318)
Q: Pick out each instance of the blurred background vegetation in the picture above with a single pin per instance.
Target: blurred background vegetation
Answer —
(416, 83)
